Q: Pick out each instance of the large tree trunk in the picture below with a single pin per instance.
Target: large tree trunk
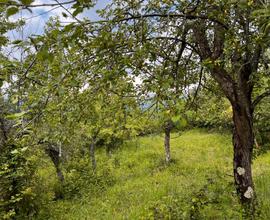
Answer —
(237, 86)
(243, 140)
(92, 154)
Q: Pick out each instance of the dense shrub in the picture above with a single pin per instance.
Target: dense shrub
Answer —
(17, 199)
(211, 201)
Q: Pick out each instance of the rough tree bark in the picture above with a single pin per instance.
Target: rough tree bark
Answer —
(243, 141)
(237, 87)
(239, 94)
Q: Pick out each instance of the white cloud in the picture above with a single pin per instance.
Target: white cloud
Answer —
(36, 21)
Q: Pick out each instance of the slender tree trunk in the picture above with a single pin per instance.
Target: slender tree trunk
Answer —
(92, 154)
(243, 140)
(54, 155)
(60, 174)
(167, 145)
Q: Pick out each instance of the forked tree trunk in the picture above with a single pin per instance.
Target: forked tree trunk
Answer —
(237, 86)
(243, 140)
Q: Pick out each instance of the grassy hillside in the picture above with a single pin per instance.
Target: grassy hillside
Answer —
(134, 183)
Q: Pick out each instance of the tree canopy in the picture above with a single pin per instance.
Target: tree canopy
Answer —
(97, 83)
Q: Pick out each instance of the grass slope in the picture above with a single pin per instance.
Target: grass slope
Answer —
(198, 184)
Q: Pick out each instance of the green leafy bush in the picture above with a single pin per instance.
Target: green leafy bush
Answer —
(203, 203)
(17, 199)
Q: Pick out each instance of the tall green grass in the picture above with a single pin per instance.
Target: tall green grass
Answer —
(135, 183)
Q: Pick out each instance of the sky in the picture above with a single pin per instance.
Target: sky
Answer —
(36, 20)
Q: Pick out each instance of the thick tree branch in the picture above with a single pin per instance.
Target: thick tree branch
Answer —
(201, 40)
(218, 41)
(223, 78)
(256, 58)
(225, 81)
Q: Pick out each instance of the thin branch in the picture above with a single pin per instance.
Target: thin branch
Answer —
(259, 98)
(34, 80)
(194, 8)
(37, 5)
(198, 88)
(43, 13)
(62, 6)
(186, 16)
(24, 76)
(176, 39)
(34, 118)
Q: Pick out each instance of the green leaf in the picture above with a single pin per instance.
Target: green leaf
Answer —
(45, 55)
(24, 149)
(17, 42)
(176, 118)
(27, 2)
(14, 151)
(11, 11)
(78, 11)
(64, 15)
(15, 115)
(68, 27)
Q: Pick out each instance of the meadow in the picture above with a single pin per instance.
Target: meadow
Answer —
(134, 182)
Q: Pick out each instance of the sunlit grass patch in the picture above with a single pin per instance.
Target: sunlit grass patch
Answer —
(197, 184)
